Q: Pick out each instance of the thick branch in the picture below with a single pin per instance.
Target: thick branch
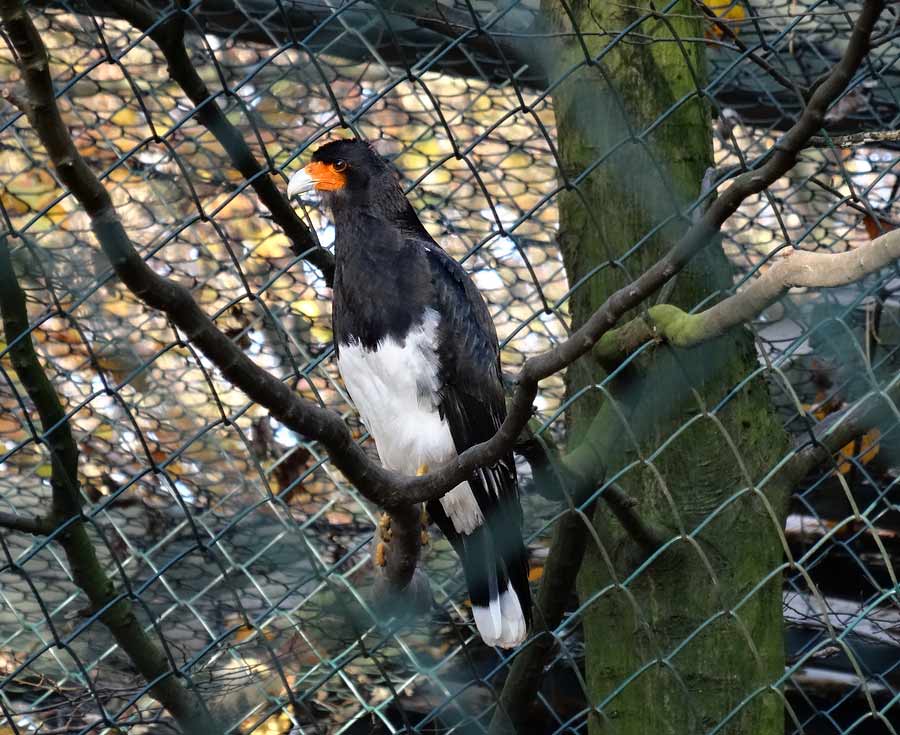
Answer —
(169, 37)
(400, 587)
(386, 488)
(796, 268)
(88, 573)
(57, 435)
(25, 524)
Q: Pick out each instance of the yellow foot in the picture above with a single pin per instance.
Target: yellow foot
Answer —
(384, 525)
(380, 554)
(423, 470)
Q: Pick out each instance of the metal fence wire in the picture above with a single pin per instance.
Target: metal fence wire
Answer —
(245, 553)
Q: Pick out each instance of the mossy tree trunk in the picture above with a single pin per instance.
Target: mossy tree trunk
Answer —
(699, 630)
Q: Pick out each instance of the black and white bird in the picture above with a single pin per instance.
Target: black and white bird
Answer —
(418, 352)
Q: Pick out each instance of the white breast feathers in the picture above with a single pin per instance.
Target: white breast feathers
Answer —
(395, 389)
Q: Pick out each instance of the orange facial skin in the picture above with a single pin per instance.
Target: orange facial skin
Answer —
(325, 176)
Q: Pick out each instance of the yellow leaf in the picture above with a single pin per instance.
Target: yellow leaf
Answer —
(246, 631)
(104, 431)
(867, 449)
(727, 10)
(125, 117)
(13, 204)
(321, 334)
(307, 308)
(119, 307)
(274, 246)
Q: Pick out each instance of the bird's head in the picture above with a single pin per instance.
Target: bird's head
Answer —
(349, 172)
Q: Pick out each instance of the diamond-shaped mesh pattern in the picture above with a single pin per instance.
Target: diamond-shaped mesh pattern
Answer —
(246, 553)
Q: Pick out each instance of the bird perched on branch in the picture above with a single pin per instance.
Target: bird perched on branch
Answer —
(418, 352)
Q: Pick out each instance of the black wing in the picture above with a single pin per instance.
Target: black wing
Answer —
(473, 404)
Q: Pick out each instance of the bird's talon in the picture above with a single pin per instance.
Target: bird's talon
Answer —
(380, 554)
(384, 527)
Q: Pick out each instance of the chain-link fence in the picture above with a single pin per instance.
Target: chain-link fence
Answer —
(245, 553)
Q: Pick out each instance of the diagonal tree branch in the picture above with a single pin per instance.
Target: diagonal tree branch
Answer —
(115, 610)
(168, 35)
(872, 137)
(796, 268)
(386, 488)
(725, 28)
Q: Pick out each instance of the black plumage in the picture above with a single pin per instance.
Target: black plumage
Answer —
(397, 294)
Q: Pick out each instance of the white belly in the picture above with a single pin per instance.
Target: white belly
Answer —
(395, 389)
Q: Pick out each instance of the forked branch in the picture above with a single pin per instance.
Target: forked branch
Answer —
(385, 488)
(114, 609)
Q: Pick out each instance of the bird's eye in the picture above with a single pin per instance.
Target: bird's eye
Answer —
(340, 166)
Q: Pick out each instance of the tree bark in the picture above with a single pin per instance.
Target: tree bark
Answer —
(694, 638)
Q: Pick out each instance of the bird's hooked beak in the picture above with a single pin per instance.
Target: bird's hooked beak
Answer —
(317, 175)
(300, 183)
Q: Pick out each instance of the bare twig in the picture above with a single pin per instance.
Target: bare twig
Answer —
(864, 138)
(853, 202)
(169, 36)
(114, 609)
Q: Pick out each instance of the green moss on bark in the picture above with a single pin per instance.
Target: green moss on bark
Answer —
(681, 647)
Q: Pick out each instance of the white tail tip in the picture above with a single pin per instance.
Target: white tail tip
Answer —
(502, 623)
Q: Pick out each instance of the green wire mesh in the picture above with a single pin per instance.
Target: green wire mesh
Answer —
(246, 553)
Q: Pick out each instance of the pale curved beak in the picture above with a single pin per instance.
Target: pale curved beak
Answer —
(300, 183)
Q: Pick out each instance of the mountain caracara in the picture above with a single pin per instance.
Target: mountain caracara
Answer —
(418, 352)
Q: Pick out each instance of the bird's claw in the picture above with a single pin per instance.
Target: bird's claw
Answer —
(384, 525)
(384, 537)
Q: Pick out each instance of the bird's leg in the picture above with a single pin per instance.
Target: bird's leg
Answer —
(424, 520)
(384, 528)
